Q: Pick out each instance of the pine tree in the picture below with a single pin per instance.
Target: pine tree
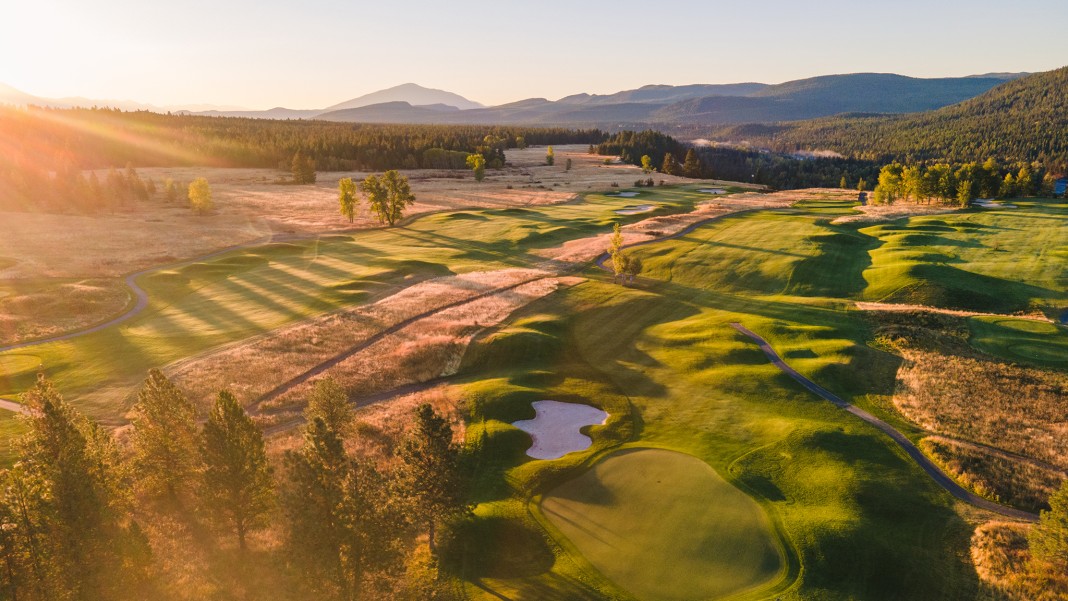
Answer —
(166, 456)
(670, 166)
(1049, 538)
(313, 499)
(236, 489)
(71, 474)
(432, 472)
(691, 166)
(330, 403)
(303, 169)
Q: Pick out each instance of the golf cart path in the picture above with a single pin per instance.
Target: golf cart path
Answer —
(922, 460)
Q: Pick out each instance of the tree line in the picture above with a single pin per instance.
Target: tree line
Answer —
(74, 505)
(46, 150)
(960, 184)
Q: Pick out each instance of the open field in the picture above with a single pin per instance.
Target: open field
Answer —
(505, 299)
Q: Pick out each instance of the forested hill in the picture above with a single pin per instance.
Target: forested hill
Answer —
(1021, 120)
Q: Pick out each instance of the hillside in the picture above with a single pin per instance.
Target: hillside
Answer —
(1022, 119)
(711, 104)
(411, 93)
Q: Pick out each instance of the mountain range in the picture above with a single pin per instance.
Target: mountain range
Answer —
(867, 93)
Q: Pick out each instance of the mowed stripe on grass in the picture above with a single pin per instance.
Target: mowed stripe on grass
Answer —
(665, 526)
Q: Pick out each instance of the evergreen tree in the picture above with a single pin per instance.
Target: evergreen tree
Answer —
(70, 478)
(432, 473)
(691, 166)
(303, 169)
(567, 165)
(314, 503)
(330, 403)
(670, 166)
(166, 457)
(843, 184)
(237, 490)
(1049, 538)
(346, 198)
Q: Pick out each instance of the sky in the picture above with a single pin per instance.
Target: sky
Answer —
(314, 53)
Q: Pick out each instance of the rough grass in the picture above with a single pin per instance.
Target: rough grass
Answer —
(32, 309)
(708, 540)
(1006, 573)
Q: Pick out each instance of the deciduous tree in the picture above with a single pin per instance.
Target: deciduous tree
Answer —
(346, 198)
(477, 163)
(388, 195)
(647, 164)
(550, 157)
(200, 196)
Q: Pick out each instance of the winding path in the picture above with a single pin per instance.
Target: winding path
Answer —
(922, 460)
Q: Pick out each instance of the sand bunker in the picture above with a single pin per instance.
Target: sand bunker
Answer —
(624, 194)
(990, 204)
(635, 210)
(555, 428)
(713, 190)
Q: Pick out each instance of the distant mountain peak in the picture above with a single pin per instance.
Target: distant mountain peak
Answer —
(412, 93)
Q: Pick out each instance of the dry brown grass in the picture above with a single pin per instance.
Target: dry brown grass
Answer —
(998, 477)
(999, 552)
(960, 395)
(32, 310)
(250, 205)
(423, 350)
(873, 213)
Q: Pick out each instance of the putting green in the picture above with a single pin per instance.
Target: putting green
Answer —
(13, 365)
(665, 526)
(1040, 343)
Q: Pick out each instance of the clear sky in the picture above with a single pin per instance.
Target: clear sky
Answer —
(313, 53)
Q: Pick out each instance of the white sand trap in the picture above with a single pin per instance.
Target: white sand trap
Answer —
(624, 194)
(555, 428)
(635, 210)
(990, 204)
(713, 190)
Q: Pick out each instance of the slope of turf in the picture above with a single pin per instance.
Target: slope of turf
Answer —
(197, 306)
(858, 519)
(707, 540)
(1000, 261)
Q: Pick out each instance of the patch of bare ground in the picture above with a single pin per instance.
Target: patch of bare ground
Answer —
(962, 396)
(873, 213)
(1004, 566)
(30, 310)
(426, 348)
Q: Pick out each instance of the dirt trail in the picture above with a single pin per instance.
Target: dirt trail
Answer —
(917, 456)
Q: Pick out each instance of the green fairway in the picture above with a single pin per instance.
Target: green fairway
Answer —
(197, 306)
(858, 518)
(1000, 261)
(666, 527)
(1021, 340)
